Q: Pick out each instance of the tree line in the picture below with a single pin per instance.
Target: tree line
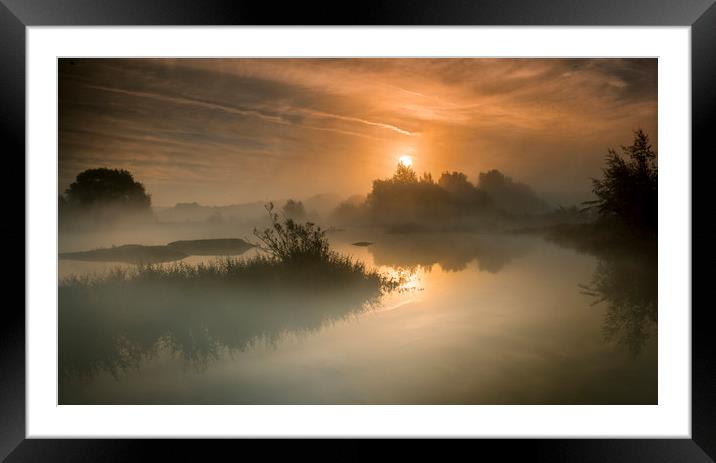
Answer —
(625, 194)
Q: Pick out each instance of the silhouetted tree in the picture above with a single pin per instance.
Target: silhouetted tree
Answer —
(408, 202)
(510, 196)
(405, 199)
(628, 187)
(294, 210)
(103, 196)
(457, 184)
(107, 187)
(427, 177)
(404, 174)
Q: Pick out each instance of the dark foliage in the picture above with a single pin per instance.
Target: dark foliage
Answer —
(403, 199)
(114, 187)
(406, 199)
(103, 197)
(409, 201)
(509, 195)
(289, 241)
(627, 190)
(294, 210)
(200, 311)
(463, 191)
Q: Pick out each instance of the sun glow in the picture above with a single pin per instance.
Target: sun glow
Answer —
(406, 160)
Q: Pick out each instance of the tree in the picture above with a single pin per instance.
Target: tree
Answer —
(107, 187)
(404, 174)
(427, 178)
(294, 210)
(457, 184)
(627, 190)
(509, 195)
(404, 198)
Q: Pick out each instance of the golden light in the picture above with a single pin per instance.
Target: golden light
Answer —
(406, 160)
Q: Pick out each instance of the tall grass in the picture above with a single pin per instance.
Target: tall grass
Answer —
(293, 254)
(289, 241)
(114, 321)
(334, 272)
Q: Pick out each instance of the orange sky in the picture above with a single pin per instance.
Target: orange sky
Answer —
(226, 131)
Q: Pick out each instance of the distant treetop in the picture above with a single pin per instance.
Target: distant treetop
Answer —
(102, 186)
(404, 174)
(294, 210)
(510, 195)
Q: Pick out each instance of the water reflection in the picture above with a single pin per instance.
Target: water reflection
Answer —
(114, 328)
(628, 286)
(517, 332)
(452, 251)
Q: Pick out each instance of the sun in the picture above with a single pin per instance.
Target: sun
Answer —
(406, 160)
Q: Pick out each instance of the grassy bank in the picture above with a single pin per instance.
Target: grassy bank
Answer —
(334, 272)
(115, 321)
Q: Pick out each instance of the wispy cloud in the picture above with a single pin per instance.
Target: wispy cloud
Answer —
(261, 127)
(274, 118)
(356, 119)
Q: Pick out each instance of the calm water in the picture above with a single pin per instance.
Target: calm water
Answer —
(480, 320)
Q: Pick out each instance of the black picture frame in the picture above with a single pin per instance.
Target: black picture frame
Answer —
(16, 15)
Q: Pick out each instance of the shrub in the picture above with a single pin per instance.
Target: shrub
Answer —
(292, 242)
(627, 190)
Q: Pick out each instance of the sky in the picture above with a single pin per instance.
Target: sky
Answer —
(230, 131)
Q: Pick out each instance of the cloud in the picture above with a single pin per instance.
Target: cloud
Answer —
(273, 118)
(259, 127)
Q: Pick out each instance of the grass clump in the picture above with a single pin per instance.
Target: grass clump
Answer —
(298, 284)
(294, 256)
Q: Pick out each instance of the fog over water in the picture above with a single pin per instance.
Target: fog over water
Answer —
(498, 319)
(357, 231)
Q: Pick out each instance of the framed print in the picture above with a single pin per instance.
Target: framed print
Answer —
(464, 221)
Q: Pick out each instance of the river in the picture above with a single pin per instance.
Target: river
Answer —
(480, 319)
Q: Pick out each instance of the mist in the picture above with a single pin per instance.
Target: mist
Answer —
(357, 231)
(265, 125)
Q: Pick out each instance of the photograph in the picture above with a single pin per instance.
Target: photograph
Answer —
(357, 231)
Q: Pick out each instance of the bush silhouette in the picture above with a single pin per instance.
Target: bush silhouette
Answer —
(289, 241)
(404, 198)
(457, 184)
(103, 186)
(407, 201)
(627, 190)
(103, 196)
